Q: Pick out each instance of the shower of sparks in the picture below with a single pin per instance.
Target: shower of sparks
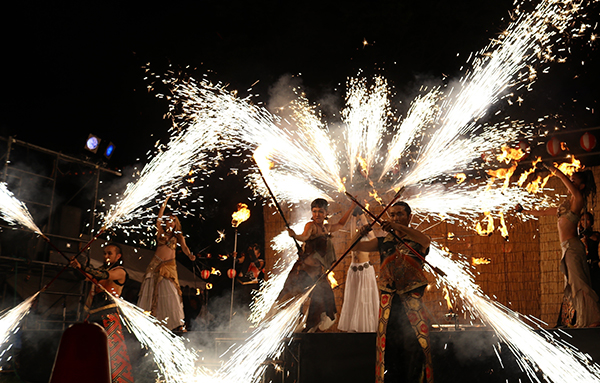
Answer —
(303, 149)
(527, 40)
(166, 170)
(553, 357)
(286, 187)
(421, 114)
(263, 301)
(15, 211)
(465, 203)
(176, 363)
(365, 116)
(246, 362)
(10, 319)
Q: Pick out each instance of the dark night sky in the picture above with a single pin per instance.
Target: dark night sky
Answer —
(75, 68)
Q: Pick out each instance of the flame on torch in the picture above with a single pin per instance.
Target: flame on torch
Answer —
(504, 174)
(526, 173)
(363, 165)
(447, 298)
(509, 154)
(490, 225)
(242, 214)
(503, 229)
(261, 156)
(569, 168)
(460, 178)
(480, 261)
(332, 281)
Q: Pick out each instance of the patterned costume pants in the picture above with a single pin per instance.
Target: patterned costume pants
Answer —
(403, 339)
(119, 360)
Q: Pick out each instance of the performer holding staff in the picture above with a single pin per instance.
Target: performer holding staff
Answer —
(160, 292)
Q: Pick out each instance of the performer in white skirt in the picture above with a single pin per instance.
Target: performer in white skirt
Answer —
(360, 310)
(160, 292)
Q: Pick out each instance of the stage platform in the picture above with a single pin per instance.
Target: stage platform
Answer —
(465, 354)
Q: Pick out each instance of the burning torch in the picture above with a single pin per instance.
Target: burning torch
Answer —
(242, 214)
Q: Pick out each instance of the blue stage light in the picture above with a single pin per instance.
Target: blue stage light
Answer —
(109, 150)
(92, 143)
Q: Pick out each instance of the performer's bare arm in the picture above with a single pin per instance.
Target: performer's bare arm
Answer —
(342, 222)
(368, 246)
(409, 232)
(184, 247)
(308, 229)
(117, 274)
(161, 212)
(577, 200)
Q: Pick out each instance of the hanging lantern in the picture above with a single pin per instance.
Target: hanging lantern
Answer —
(205, 274)
(587, 141)
(231, 273)
(553, 147)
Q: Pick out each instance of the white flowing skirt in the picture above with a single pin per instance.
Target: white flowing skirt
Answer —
(169, 306)
(360, 310)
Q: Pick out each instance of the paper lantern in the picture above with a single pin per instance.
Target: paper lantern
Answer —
(553, 147)
(231, 273)
(205, 274)
(587, 141)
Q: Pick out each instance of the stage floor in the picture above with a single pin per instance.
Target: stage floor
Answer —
(463, 355)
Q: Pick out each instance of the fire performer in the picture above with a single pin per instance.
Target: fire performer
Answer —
(160, 293)
(403, 345)
(580, 303)
(360, 310)
(103, 310)
(591, 239)
(317, 256)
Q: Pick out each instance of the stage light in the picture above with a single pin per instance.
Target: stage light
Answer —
(92, 143)
(108, 152)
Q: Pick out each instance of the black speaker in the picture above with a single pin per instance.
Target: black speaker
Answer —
(330, 357)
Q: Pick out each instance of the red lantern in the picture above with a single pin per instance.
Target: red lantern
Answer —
(231, 273)
(205, 274)
(587, 141)
(553, 147)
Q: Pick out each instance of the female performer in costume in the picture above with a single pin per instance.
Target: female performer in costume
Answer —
(318, 255)
(160, 292)
(580, 303)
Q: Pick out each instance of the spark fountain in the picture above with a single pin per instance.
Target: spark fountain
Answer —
(14, 211)
(553, 358)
